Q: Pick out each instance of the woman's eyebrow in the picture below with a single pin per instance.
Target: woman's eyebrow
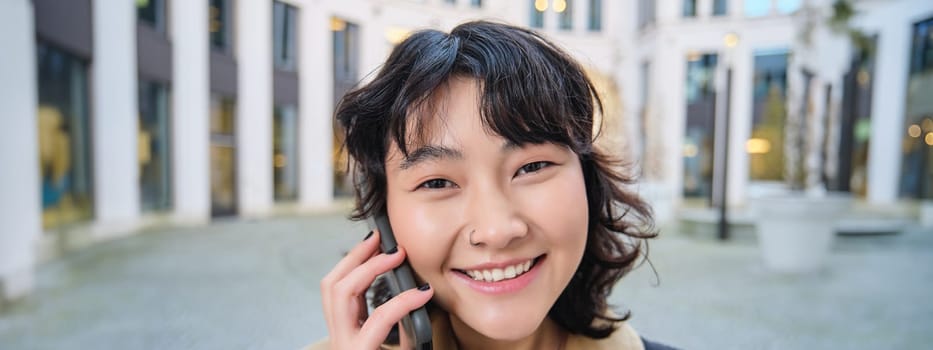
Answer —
(435, 152)
(427, 153)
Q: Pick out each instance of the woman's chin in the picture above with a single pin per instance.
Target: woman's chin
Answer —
(504, 326)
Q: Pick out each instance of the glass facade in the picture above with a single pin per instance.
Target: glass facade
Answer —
(285, 152)
(645, 13)
(855, 127)
(917, 158)
(346, 75)
(564, 9)
(757, 8)
(720, 7)
(151, 12)
(787, 6)
(64, 137)
(595, 16)
(689, 8)
(154, 146)
(769, 115)
(221, 25)
(284, 23)
(698, 138)
(223, 156)
(536, 13)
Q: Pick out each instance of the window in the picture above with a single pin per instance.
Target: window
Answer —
(152, 13)
(769, 114)
(921, 58)
(451, 2)
(536, 19)
(154, 146)
(787, 6)
(346, 57)
(757, 8)
(917, 157)
(596, 16)
(284, 21)
(476, 3)
(564, 9)
(64, 138)
(285, 152)
(690, 8)
(698, 138)
(223, 155)
(645, 13)
(720, 7)
(221, 25)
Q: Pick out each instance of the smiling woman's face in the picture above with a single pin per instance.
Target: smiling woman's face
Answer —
(524, 206)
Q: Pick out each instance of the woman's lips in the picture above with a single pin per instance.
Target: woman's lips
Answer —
(496, 280)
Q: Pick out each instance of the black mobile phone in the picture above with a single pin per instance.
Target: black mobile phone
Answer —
(416, 324)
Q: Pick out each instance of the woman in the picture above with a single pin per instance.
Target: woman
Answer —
(479, 145)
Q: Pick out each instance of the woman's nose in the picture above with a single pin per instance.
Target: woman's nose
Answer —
(495, 219)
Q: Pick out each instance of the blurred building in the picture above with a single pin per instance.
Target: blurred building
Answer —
(119, 115)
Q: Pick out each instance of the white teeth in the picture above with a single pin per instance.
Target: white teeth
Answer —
(510, 271)
(496, 275)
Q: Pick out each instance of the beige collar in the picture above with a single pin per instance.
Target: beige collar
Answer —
(624, 338)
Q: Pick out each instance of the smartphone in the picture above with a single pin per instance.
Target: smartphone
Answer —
(416, 324)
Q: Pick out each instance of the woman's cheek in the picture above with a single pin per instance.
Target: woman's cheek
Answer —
(423, 229)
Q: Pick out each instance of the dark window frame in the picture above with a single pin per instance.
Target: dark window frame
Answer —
(595, 18)
(285, 50)
(222, 40)
(565, 17)
(159, 22)
(535, 17)
(720, 7)
(689, 8)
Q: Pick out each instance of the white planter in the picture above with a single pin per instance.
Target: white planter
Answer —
(795, 233)
(926, 213)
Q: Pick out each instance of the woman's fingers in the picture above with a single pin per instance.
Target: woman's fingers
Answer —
(343, 293)
(347, 291)
(380, 322)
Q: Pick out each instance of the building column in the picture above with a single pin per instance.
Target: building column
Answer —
(19, 154)
(315, 126)
(704, 8)
(669, 70)
(741, 125)
(115, 116)
(887, 110)
(190, 124)
(254, 107)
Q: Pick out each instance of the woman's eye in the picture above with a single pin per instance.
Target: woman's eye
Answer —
(532, 167)
(436, 184)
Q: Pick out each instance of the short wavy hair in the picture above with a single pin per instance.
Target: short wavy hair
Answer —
(532, 92)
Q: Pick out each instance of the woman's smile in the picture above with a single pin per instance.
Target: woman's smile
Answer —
(496, 279)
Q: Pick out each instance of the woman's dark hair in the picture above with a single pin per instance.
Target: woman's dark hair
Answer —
(532, 92)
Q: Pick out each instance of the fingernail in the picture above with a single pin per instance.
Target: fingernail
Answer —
(425, 287)
(392, 250)
(370, 234)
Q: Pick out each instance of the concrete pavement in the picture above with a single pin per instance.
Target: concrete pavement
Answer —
(254, 285)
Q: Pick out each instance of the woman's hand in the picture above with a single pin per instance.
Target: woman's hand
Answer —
(343, 294)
